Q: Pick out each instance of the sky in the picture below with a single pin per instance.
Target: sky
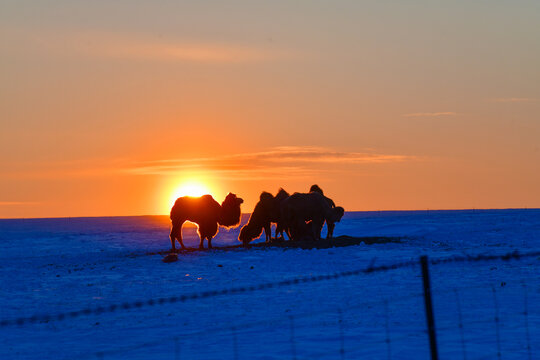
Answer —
(110, 107)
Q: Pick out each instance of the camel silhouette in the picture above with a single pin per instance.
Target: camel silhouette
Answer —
(266, 212)
(300, 208)
(330, 225)
(207, 213)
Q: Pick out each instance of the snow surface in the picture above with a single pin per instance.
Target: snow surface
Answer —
(49, 266)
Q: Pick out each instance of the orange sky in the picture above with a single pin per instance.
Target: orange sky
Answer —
(107, 108)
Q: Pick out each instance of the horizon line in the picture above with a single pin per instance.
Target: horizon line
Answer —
(248, 213)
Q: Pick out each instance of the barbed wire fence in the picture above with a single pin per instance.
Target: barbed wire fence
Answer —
(290, 323)
(294, 322)
(345, 348)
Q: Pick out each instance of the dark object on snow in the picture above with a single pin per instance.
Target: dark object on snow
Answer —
(206, 213)
(266, 212)
(171, 257)
(329, 224)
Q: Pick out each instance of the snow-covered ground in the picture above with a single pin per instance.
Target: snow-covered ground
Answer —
(58, 265)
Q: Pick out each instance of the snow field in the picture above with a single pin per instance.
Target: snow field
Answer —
(58, 265)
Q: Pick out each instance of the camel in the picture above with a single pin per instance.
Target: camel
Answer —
(266, 212)
(259, 220)
(300, 208)
(207, 213)
(329, 224)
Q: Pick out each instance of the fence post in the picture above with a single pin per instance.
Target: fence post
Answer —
(429, 308)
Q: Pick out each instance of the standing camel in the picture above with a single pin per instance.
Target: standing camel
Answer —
(207, 213)
(330, 225)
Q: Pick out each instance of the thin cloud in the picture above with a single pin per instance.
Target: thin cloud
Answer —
(283, 162)
(113, 46)
(206, 53)
(17, 203)
(514, 100)
(246, 174)
(431, 114)
(288, 162)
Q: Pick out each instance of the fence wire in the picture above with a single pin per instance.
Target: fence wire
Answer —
(292, 321)
(515, 255)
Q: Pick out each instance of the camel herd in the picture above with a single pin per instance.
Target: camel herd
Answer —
(300, 216)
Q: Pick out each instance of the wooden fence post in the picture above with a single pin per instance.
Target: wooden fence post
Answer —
(429, 308)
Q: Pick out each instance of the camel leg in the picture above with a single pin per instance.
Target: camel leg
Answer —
(209, 242)
(267, 232)
(176, 234)
(179, 238)
(285, 227)
(172, 236)
(280, 229)
(317, 226)
(201, 244)
(330, 225)
(288, 232)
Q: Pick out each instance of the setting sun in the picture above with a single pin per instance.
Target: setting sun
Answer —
(190, 188)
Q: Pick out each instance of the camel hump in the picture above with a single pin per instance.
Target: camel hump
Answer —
(281, 194)
(187, 207)
(205, 203)
(266, 196)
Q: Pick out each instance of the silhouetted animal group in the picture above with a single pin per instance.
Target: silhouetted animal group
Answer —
(300, 216)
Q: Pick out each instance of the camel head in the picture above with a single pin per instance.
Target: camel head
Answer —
(230, 211)
(316, 188)
(338, 213)
(248, 233)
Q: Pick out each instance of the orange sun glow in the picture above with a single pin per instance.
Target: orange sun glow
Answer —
(190, 188)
